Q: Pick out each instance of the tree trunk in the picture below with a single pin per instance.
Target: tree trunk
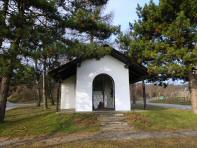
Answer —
(51, 97)
(5, 82)
(44, 96)
(3, 96)
(38, 93)
(37, 85)
(58, 95)
(13, 52)
(144, 94)
(91, 38)
(50, 91)
(193, 91)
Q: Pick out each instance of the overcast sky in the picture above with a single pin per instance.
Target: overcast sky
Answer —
(124, 11)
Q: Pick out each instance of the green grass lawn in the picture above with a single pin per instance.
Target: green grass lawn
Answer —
(179, 101)
(33, 121)
(161, 119)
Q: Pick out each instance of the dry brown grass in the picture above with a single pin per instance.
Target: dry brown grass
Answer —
(187, 142)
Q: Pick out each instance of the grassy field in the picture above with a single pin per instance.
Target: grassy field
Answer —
(161, 119)
(33, 121)
(173, 101)
(145, 143)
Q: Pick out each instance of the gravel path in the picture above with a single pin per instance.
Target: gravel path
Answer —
(100, 136)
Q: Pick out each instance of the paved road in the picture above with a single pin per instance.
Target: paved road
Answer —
(182, 107)
(16, 105)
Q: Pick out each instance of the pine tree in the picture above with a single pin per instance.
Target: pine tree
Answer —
(85, 20)
(89, 27)
(163, 38)
(18, 26)
(38, 29)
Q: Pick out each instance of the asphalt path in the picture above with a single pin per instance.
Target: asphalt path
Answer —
(10, 105)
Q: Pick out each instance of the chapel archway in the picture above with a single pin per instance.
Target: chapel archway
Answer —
(103, 97)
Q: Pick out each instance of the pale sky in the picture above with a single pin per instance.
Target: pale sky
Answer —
(124, 11)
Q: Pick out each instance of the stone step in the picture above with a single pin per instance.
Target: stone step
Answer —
(110, 114)
(114, 127)
(112, 122)
(115, 123)
(119, 114)
(116, 117)
(111, 119)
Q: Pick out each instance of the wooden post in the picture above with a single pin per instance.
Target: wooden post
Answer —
(133, 97)
(144, 94)
(58, 95)
(193, 87)
(193, 90)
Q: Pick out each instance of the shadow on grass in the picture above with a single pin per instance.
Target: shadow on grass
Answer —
(25, 118)
(76, 122)
(36, 121)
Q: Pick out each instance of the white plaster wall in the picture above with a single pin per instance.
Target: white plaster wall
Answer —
(86, 73)
(68, 88)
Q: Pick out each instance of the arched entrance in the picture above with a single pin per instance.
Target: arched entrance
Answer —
(103, 97)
